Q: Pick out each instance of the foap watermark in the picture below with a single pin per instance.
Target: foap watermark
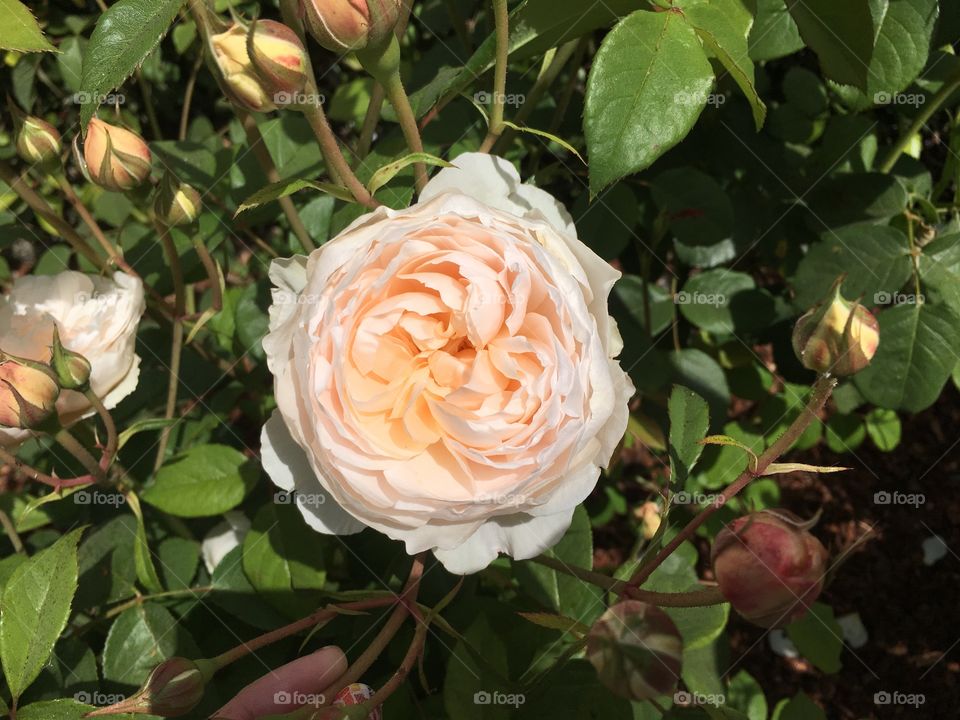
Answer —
(286, 99)
(697, 498)
(95, 98)
(898, 498)
(98, 699)
(886, 98)
(511, 100)
(689, 699)
(105, 300)
(97, 498)
(885, 697)
(503, 499)
(699, 298)
(485, 697)
(692, 98)
(283, 497)
(885, 298)
(301, 699)
(288, 298)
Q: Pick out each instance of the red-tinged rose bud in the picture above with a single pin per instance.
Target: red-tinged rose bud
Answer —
(242, 83)
(72, 369)
(177, 203)
(636, 649)
(342, 26)
(28, 393)
(174, 688)
(279, 59)
(116, 158)
(837, 336)
(769, 567)
(39, 142)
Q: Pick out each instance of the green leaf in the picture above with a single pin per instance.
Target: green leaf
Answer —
(900, 52)
(556, 622)
(144, 426)
(281, 553)
(285, 188)
(386, 173)
(547, 136)
(918, 351)
(647, 87)
(36, 607)
(63, 710)
(841, 34)
(724, 26)
(940, 269)
(800, 707)
(698, 371)
(143, 561)
(744, 693)
(818, 638)
(20, 30)
(139, 639)
(125, 34)
(883, 427)
(774, 32)
(852, 197)
(206, 480)
(876, 261)
(845, 433)
(562, 593)
(725, 301)
(689, 421)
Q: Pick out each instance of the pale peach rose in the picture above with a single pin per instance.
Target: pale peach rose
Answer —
(445, 374)
(97, 317)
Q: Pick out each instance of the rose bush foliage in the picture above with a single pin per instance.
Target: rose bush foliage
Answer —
(442, 358)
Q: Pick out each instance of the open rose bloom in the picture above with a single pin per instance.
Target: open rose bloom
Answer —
(445, 374)
(97, 317)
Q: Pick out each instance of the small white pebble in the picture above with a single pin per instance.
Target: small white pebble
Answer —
(934, 549)
(781, 644)
(854, 632)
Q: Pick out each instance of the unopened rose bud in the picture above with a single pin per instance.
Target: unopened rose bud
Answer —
(117, 159)
(649, 516)
(279, 58)
(174, 688)
(636, 649)
(72, 369)
(245, 88)
(39, 142)
(28, 393)
(837, 336)
(769, 567)
(177, 203)
(345, 25)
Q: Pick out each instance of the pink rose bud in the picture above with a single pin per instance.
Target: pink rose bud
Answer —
(769, 567)
(174, 688)
(28, 393)
(345, 25)
(117, 159)
(242, 82)
(72, 369)
(357, 694)
(636, 649)
(837, 336)
(279, 59)
(177, 203)
(39, 142)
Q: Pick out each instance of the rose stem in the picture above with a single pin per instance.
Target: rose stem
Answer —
(378, 94)
(69, 443)
(114, 254)
(34, 474)
(821, 392)
(43, 210)
(397, 96)
(544, 81)
(696, 598)
(11, 531)
(406, 665)
(337, 166)
(918, 123)
(176, 350)
(298, 626)
(502, 20)
(405, 602)
(212, 272)
(110, 451)
(188, 98)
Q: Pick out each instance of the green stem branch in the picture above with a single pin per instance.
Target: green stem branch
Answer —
(950, 86)
(501, 17)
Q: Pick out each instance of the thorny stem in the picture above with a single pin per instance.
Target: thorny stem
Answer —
(821, 392)
(110, 450)
(176, 349)
(69, 443)
(34, 474)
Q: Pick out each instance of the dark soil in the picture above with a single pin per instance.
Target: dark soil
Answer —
(910, 609)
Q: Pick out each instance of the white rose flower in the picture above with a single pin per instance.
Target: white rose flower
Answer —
(445, 374)
(97, 317)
